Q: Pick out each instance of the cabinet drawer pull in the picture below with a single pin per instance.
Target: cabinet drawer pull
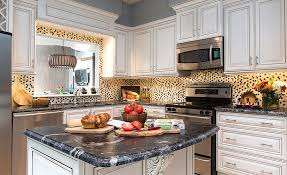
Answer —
(266, 124)
(264, 173)
(230, 139)
(230, 120)
(230, 164)
(266, 145)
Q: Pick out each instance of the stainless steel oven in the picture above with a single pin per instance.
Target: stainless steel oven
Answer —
(201, 54)
(200, 100)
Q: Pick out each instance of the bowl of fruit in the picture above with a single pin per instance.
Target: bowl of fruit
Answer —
(134, 112)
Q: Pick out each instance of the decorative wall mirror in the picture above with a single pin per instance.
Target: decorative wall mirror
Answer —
(58, 74)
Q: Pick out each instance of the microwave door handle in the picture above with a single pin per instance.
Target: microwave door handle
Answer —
(210, 53)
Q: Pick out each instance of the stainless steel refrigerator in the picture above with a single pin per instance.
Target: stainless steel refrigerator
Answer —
(5, 104)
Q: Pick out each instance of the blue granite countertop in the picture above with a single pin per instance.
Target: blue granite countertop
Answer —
(106, 150)
(281, 112)
(19, 109)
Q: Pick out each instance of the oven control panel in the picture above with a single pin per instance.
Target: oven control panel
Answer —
(189, 111)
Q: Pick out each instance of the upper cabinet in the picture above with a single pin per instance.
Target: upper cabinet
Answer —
(23, 54)
(238, 32)
(122, 58)
(254, 42)
(6, 10)
(186, 25)
(165, 49)
(155, 49)
(143, 52)
(146, 50)
(270, 34)
(198, 20)
(78, 15)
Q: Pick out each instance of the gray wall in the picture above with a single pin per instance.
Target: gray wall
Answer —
(138, 13)
(126, 17)
(150, 10)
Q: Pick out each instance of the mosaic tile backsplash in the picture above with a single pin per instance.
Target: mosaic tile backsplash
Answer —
(173, 88)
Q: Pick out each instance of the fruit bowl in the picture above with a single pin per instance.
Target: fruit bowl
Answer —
(139, 117)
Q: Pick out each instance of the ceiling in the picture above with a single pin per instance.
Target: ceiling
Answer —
(131, 1)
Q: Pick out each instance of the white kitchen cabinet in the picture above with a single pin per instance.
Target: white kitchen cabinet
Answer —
(143, 52)
(186, 25)
(254, 40)
(251, 144)
(103, 109)
(75, 114)
(118, 110)
(165, 49)
(23, 54)
(239, 37)
(41, 162)
(121, 62)
(210, 20)
(155, 111)
(198, 20)
(45, 160)
(270, 34)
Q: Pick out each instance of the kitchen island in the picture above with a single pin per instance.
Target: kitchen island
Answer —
(52, 151)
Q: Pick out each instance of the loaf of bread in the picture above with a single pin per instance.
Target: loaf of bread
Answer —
(92, 121)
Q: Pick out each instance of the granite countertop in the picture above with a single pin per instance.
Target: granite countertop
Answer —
(81, 105)
(106, 150)
(281, 112)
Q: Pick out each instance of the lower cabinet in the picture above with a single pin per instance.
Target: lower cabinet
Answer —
(44, 160)
(155, 111)
(118, 110)
(240, 164)
(75, 114)
(249, 144)
(103, 109)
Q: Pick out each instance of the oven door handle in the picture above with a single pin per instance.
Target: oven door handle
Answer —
(190, 116)
(210, 53)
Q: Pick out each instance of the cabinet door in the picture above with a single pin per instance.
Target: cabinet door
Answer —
(118, 110)
(121, 63)
(143, 56)
(23, 38)
(209, 20)
(270, 34)
(239, 42)
(128, 169)
(44, 165)
(104, 109)
(186, 26)
(165, 49)
(75, 114)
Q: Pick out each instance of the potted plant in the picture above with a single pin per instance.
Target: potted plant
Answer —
(271, 92)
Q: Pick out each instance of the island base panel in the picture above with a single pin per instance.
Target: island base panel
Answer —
(44, 160)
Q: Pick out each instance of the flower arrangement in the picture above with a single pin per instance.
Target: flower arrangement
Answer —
(271, 91)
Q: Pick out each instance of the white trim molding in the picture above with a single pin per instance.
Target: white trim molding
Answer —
(78, 15)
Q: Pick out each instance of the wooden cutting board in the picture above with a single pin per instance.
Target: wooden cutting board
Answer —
(80, 130)
(145, 133)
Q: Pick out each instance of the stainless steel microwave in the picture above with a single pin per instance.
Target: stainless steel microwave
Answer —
(201, 54)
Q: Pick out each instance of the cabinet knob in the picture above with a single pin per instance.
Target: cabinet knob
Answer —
(257, 60)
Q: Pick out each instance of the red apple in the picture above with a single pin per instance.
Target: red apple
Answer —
(138, 125)
(139, 109)
(134, 113)
(134, 104)
(128, 109)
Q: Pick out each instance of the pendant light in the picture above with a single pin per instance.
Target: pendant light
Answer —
(63, 61)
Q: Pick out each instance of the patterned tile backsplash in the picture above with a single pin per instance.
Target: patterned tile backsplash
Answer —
(172, 88)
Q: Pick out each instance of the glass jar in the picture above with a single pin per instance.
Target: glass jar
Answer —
(270, 100)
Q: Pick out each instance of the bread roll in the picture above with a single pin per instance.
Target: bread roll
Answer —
(95, 121)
